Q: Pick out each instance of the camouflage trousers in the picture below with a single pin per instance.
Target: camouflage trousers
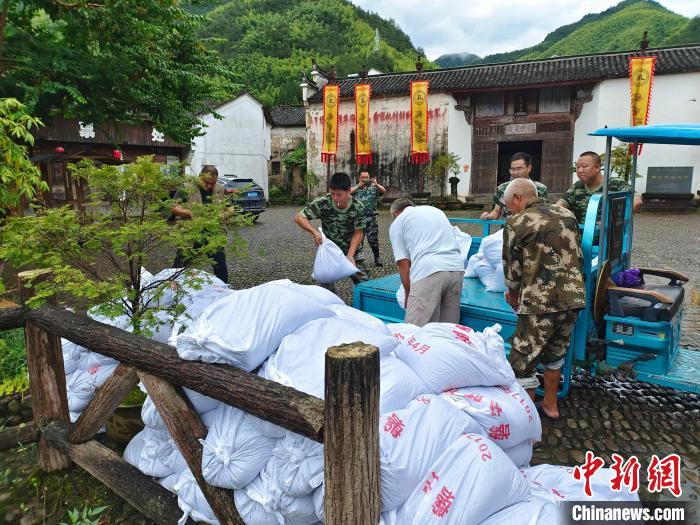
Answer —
(540, 339)
(372, 235)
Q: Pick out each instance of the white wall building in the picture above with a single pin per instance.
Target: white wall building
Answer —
(238, 145)
(485, 113)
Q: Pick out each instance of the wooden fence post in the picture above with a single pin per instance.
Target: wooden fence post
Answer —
(351, 439)
(47, 379)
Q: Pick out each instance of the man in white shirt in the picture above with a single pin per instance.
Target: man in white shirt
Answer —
(430, 266)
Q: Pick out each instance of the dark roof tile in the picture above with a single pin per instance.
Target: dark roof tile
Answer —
(523, 73)
(287, 116)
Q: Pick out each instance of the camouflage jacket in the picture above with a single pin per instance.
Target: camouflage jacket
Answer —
(542, 259)
(577, 196)
(368, 197)
(542, 193)
(338, 225)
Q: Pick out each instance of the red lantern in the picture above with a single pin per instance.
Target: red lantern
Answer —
(59, 149)
(117, 154)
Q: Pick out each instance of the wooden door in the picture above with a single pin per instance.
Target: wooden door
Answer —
(557, 162)
(484, 167)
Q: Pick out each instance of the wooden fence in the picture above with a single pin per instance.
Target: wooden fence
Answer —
(346, 422)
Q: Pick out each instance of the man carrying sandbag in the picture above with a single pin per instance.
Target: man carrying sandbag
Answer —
(542, 267)
(342, 220)
(429, 261)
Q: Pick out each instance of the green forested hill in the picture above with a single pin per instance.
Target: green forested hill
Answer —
(268, 42)
(619, 28)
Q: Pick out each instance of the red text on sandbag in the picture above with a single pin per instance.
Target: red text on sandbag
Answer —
(428, 485)
(515, 395)
(495, 409)
(443, 502)
(499, 432)
(394, 425)
(483, 447)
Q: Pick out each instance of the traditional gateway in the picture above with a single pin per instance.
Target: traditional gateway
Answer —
(486, 113)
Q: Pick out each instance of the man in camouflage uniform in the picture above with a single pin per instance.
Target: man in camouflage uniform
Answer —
(343, 222)
(367, 192)
(591, 182)
(542, 267)
(520, 168)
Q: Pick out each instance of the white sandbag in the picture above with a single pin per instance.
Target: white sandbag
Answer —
(401, 296)
(497, 283)
(411, 440)
(469, 482)
(506, 413)
(194, 305)
(520, 454)
(265, 427)
(298, 463)
(73, 356)
(191, 500)
(475, 261)
(93, 360)
(318, 496)
(262, 502)
(360, 318)
(168, 482)
(233, 452)
(147, 450)
(331, 264)
(82, 384)
(492, 248)
(464, 241)
(447, 356)
(246, 327)
(167, 291)
(530, 512)
(557, 484)
(202, 405)
(317, 293)
(398, 384)
(403, 331)
(300, 360)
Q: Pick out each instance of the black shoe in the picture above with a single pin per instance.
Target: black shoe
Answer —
(378, 263)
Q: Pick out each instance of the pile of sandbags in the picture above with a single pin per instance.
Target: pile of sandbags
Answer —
(454, 432)
(487, 263)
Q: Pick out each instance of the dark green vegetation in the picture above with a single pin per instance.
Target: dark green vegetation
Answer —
(619, 28)
(457, 59)
(13, 362)
(267, 43)
(110, 62)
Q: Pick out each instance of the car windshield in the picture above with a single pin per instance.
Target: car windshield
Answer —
(242, 183)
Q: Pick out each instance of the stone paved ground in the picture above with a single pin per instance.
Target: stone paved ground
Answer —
(602, 415)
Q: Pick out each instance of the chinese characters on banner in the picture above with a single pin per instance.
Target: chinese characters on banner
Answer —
(641, 71)
(363, 150)
(661, 473)
(419, 122)
(331, 103)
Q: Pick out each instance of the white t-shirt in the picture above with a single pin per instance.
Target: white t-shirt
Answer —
(423, 235)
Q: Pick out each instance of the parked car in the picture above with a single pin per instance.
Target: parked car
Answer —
(245, 193)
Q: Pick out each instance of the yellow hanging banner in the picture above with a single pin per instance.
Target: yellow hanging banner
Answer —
(363, 150)
(419, 122)
(331, 102)
(641, 78)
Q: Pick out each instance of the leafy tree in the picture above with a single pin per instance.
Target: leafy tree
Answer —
(441, 165)
(19, 178)
(111, 61)
(620, 161)
(98, 256)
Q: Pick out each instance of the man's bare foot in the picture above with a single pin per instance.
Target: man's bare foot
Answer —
(550, 411)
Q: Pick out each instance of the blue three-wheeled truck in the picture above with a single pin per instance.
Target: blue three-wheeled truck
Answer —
(637, 330)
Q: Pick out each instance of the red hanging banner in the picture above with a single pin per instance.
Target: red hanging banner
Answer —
(641, 71)
(363, 149)
(419, 122)
(331, 102)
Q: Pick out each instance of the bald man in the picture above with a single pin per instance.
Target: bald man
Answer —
(542, 267)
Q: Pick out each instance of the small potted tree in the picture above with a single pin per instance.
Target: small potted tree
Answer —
(440, 166)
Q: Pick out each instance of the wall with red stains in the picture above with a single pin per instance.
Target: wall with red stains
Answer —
(390, 130)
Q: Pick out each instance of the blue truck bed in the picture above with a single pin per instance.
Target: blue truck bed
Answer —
(479, 308)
